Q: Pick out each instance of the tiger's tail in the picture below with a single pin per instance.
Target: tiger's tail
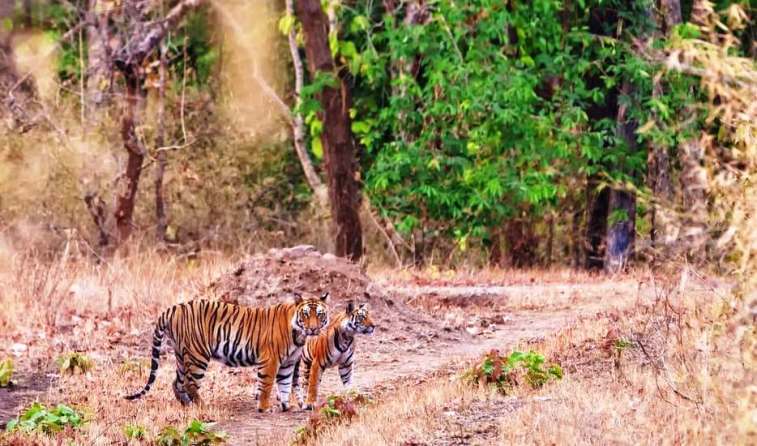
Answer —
(157, 340)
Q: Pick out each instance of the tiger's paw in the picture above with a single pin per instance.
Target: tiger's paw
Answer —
(264, 410)
(284, 407)
(308, 406)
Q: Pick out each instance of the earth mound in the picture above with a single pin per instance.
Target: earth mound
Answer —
(266, 279)
(273, 277)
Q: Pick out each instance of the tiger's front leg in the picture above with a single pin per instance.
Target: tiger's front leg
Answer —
(266, 373)
(345, 372)
(284, 384)
(313, 374)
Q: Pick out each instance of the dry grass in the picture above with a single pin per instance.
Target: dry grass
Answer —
(104, 311)
(663, 372)
(688, 385)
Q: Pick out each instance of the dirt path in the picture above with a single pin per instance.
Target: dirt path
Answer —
(389, 360)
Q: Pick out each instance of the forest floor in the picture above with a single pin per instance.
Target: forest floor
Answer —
(489, 317)
(107, 313)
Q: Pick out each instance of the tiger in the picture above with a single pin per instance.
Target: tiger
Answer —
(270, 338)
(334, 347)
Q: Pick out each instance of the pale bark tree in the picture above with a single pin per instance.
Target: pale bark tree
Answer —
(339, 148)
(18, 93)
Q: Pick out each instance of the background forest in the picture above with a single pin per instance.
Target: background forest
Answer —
(583, 133)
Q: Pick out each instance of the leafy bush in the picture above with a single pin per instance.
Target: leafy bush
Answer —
(38, 418)
(336, 409)
(6, 372)
(196, 434)
(505, 372)
(134, 432)
(73, 363)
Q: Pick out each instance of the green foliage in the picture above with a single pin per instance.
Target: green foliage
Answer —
(505, 372)
(74, 362)
(135, 432)
(335, 410)
(196, 433)
(38, 418)
(482, 111)
(6, 372)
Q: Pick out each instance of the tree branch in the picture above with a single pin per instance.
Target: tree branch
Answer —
(135, 51)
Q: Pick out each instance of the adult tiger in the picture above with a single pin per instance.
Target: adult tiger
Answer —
(334, 347)
(271, 338)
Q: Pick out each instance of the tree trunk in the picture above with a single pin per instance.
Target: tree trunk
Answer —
(670, 10)
(576, 239)
(621, 231)
(339, 147)
(99, 71)
(694, 183)
(17, 91)
(298, 123)
(161, 221)
(521, 242)
(597, 204)
(129, 183)
(664, 230)
(550, 239)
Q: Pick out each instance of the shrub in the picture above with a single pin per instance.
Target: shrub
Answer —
(38, 418)
(336, 409)
(505, 372)
(73, 363)
(134, 432)
(6, 372)
(196, 434)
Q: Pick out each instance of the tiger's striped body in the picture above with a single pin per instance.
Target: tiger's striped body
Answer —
(271, 338)
(333, 348)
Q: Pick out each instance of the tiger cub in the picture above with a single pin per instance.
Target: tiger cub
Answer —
(334, 347)
(271, 338)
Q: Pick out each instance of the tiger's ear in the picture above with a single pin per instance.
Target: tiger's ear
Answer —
(325, 296)
(297, 298)
(363, 307)
(350, 306)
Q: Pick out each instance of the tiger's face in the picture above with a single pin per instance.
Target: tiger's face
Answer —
(311, 315)
(358, 319)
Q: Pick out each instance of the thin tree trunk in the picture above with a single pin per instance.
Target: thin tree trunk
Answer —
(339, 147)
(550, 239)
(129, 183)
(161, 221)
(298, 124)
(576, 239)
(694, 183)
(671, 14)
(17, 90)
(596, 226)
(98, 76)
(522, 242)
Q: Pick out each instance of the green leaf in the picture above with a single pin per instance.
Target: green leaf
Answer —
(316, 146)
(6, 372)
(286, 23)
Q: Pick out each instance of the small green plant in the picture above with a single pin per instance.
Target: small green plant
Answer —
(72, 363)
(335, 410)
(196, 434)
(134, 432)
(504, 372)
(621, 344)
(6, 372)
(38, 418)
(132, 367)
